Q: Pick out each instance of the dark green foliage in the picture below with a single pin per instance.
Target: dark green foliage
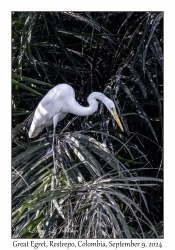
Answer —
(108, 184)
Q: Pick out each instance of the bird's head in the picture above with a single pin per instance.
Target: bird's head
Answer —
(108, 103)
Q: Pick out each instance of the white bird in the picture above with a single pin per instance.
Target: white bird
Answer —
(60, 101)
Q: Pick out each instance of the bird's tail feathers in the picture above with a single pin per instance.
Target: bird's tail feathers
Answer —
(34, 131)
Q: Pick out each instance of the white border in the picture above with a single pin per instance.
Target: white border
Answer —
(5, 98)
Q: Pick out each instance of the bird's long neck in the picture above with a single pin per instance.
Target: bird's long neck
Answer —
(77, 109)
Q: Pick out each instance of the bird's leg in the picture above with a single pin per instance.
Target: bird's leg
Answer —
(55, 120)
(47, 136)
(53, 150)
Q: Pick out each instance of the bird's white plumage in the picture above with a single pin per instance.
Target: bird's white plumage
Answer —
(53, 103)
(59, 101)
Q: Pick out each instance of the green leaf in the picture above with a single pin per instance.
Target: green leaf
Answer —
(28, 79)
(21, 85)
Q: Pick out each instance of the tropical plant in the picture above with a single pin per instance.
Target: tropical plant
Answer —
(109, 182)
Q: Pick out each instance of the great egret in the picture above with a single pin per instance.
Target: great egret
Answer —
(60, 101)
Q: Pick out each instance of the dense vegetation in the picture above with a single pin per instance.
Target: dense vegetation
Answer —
(109, 183)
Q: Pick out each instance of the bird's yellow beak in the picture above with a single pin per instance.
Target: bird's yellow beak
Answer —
(117, 119)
